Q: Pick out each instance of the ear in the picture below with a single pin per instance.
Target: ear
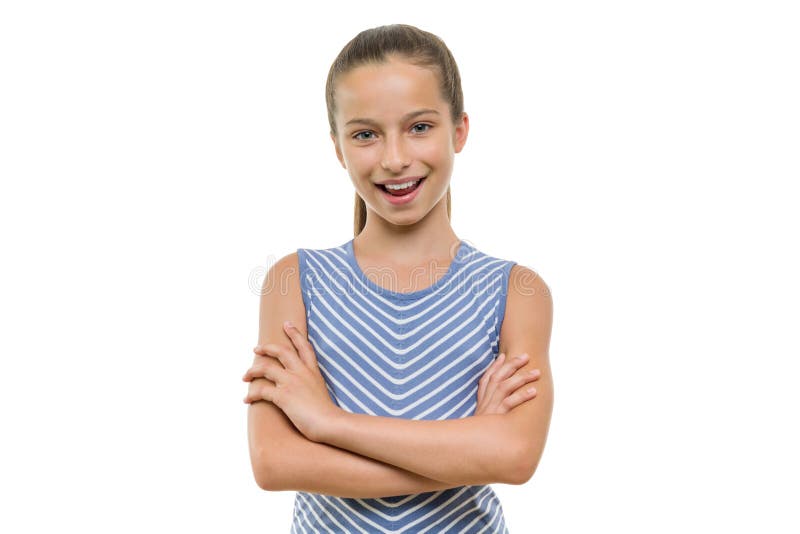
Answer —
(460, 133)
(339, 154)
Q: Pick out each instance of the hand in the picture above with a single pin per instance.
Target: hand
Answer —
(294, 384)
(497, 389)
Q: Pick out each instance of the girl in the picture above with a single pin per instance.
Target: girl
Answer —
(386, 402)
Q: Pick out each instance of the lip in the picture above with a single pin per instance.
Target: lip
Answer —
(405, 199)
(400, 180)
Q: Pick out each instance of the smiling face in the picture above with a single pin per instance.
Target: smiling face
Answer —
(393, 124)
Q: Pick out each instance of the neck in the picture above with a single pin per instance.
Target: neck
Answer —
(409, 245)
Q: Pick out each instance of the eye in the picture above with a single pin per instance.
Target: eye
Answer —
(356, 136)
(427, 127)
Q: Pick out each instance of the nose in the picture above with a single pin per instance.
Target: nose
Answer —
(395, 157)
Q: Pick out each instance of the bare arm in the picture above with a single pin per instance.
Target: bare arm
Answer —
(468, 451)
(280, 456)
(528, 328)
(481, 449)
(284, 460)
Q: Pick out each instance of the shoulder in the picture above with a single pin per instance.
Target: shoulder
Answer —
(529, 307)
(523, 281)
(281, 298)
(287, 271)
(281, 273)
(281, 288)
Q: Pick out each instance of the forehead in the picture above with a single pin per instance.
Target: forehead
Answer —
(386, 90)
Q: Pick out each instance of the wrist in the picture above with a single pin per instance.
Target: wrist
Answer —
(331, 425)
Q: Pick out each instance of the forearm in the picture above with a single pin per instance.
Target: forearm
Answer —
(285, 460)
(321, 468)
(468, 451)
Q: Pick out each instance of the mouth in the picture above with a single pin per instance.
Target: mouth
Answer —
(400, 190)
(401, 193)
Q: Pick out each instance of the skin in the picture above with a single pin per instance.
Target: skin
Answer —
(298, 387)
(406, 238)
(467, 451)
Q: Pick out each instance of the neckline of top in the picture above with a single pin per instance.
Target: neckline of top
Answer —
(451, 269)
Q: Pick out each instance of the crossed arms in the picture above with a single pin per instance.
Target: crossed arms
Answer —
(370, 456)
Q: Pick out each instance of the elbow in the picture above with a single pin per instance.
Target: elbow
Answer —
(523, 466)
(524, 473)
(265, 482)
(266, 476)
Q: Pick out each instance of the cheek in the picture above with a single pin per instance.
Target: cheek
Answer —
(361, 168)
(361, 160)
(437, 156)
(438, 151)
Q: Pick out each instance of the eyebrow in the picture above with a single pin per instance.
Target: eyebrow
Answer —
(406, 117)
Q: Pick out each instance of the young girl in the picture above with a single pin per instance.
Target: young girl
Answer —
(386, 402)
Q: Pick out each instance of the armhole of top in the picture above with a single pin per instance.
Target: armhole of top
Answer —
(305, 285)
(501, 308)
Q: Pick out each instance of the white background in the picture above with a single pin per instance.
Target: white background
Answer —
(157, 157)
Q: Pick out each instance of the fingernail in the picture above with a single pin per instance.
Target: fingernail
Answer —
(287, 324)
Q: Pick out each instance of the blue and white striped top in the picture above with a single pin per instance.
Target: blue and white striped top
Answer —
(416, 355)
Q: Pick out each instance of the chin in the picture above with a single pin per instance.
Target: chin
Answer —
(407, 219)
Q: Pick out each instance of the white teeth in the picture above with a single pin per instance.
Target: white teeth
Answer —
(401, 186)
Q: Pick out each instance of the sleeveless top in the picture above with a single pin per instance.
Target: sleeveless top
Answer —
(416, 355)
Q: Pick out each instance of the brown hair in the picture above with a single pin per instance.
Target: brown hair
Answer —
(420, 48)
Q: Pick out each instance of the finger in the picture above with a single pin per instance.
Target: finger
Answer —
(510, 367)
(512, 401)
(487, 375)
(496, 364)
(500, 387)
(520, 378)
(251, 373)
(261, 360)
(267, 349)
(286, 355)
(304, 349)
(260, 390)
(268, 370)
(531, 374)
(258, 358)
(491, 397)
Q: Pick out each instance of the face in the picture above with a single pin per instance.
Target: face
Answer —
(393, 124)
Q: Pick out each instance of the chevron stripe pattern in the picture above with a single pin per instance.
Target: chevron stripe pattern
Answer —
(416, 355)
